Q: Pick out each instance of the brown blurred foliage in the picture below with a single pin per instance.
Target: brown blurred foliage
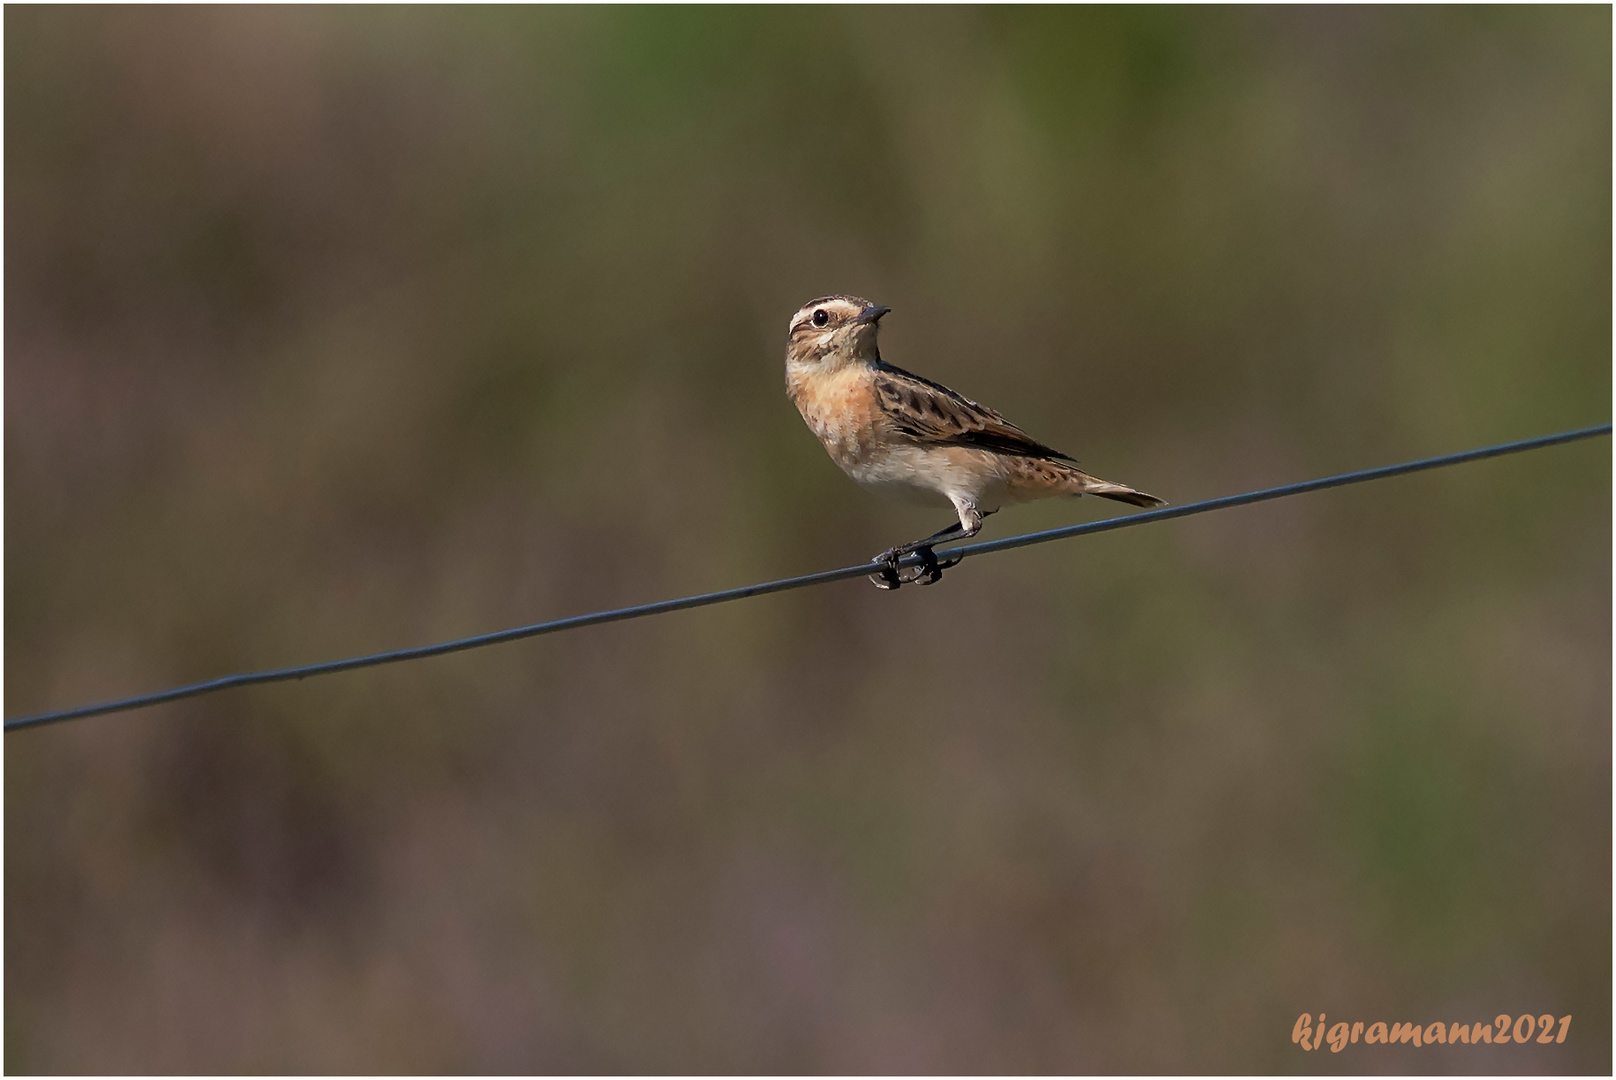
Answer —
(333, 330)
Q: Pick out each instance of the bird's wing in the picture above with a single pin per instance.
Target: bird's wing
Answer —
(932, 413)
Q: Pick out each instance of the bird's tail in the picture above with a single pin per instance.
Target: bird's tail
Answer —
(1078, 482)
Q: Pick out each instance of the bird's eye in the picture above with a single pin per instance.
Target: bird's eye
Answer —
(820, 318)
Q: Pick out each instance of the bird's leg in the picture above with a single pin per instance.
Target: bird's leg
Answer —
(930, 571)
(935, 538)
(890, 578)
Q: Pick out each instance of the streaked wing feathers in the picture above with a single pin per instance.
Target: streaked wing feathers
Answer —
(932, 413)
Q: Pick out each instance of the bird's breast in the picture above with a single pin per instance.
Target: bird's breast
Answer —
(841, 410)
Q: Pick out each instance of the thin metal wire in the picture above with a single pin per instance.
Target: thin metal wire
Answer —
(824, 577)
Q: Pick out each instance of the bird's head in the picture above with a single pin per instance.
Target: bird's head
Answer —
(834, 329)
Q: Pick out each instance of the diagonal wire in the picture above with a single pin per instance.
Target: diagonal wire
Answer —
(822, 578)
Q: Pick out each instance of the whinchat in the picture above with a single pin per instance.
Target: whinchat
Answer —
(897, 432)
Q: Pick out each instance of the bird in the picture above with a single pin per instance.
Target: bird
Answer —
(899, 433)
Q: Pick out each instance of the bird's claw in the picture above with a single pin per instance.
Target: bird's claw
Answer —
(929, 572)
(889, 577)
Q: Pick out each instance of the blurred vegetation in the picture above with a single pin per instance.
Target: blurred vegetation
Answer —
(331, 330)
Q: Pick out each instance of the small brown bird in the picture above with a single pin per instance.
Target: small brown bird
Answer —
(898, 432)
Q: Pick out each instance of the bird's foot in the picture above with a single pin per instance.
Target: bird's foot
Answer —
(888, 578)
(929, 572)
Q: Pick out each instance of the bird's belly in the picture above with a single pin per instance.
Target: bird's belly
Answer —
(929, 475)
(904, 491)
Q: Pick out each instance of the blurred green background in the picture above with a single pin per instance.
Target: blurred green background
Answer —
(337, 330)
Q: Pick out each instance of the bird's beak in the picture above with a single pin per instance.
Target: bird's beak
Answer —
(872, 314)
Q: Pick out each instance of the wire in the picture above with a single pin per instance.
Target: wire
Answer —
(824, 577)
